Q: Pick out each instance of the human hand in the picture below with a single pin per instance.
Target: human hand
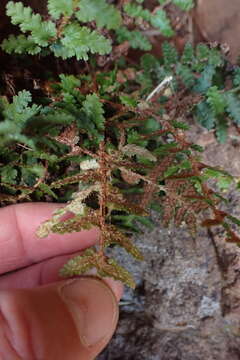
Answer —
(41, 317)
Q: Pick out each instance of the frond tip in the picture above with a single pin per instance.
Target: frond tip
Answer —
(105, 267)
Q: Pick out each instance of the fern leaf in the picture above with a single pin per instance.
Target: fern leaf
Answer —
(161, 21)
(104, 14)
(236, 79)
(233, 106)
(205, 115)
(136, 39)
(20, 44)
(105, 267)
(113, 269)
(41, 31)
(216, 100)
(137, 11)
(186, 75)
(23, 16)
(19, 110)
(221, 129)
(205, 80)
(57, 8)
(94, 111)
(184, 5)
(8, 174)
(114, 236)
(79, 264)
(170, 54)
(188, 54)
(44, 33)
(78, 41)
(47, 190)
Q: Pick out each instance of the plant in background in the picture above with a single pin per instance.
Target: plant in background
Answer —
(203, 83)
(75, 28)
(110, 143)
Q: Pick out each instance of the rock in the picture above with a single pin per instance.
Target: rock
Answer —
(219, 20)
(190, 299)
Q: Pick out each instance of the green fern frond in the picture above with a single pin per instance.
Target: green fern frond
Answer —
(185, 5)
(79, 41)
(104, 14)
(57, 8)
(20, 44)
(233, 106)
(136, 38)
(216, 100)
(161, 21)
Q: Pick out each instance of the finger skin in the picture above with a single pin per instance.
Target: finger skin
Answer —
(21, 247)
(36, 324)
(44, 273)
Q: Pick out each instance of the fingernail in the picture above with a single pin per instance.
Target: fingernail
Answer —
(93, 307)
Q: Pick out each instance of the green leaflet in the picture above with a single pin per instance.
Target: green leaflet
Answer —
(233, 106)
(205, 80)
(57, 8)
(236, 79)
(188, 56)
(104, 14)
(78, 41)
(90, 259)
(137, 11)
(186, 75)
(20, 44)
(136, 39)
(41, 31)
(184, 4)
(170, 54)
(205, 115)
(161, 21)
(93, 109)
(19, 110)
(216, 100)
(8, 174)
(221, 129)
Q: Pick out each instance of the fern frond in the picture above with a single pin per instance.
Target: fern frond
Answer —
(79, 41)
(20, 44)
(185, 5)
(136, 39)
(233, 106)
(161, 21)
(57, 8)
(104, 14)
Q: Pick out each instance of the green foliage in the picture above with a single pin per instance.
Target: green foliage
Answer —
(74, 27)
(135, 38)
(160, 20)
(58, 8)
(100, 11)
(16, 115)
(203, 74)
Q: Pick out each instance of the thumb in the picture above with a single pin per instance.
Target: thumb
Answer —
(71, 320)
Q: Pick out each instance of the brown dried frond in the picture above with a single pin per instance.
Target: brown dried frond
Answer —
(86, 176)
(114, 236)
(77, 223)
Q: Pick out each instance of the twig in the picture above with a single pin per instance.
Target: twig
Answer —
(162, 85)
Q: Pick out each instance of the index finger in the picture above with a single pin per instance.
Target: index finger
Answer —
(20, 246)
